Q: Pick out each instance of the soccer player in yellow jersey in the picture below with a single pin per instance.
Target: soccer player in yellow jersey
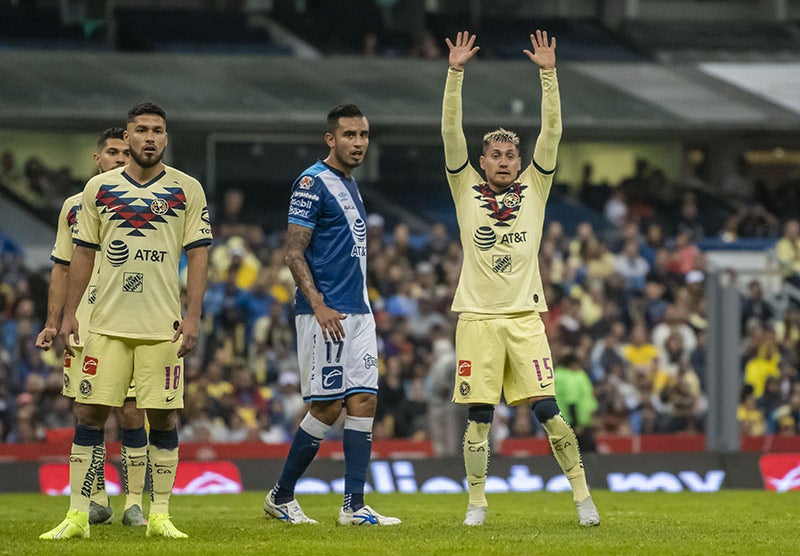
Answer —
(112, 152)
(141, 217)
(501, 345)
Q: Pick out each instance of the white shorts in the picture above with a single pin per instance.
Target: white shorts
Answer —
(335, 370)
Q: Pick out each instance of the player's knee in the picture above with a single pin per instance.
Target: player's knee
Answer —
(130, 417)
(93, 416)
(545, 409)
(483, 413)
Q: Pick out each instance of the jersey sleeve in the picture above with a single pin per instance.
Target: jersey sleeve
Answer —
(197, 227)
(86, 231)
(63, 247)
(306, 201)
(460, 173)
(546, 151)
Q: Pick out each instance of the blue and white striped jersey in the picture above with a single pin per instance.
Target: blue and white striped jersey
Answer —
(324, 200)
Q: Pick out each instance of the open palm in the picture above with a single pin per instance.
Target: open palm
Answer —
(543, 52)
(463, 49)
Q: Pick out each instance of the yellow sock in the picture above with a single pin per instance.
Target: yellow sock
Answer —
(84, 463)
(476, 461)
(134, 469)
(163, 464)
(99, 493)
(565, 449)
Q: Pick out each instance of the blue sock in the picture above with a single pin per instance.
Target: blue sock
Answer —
(357, 443)
(135, 438)
(304, 448)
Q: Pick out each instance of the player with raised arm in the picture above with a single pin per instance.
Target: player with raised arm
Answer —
(501, 346)
(112, 152)
(141, 217)
(326, 250)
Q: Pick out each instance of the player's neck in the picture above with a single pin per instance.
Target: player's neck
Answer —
(142, 174)
(333, 163)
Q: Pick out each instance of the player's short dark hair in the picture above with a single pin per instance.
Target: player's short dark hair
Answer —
(342, 111)
(146, 108)
(110, 133)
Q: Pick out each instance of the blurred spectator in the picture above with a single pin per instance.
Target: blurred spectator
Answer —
(632, 267)
(787, 251)
(751, 421)
(576, 399)
(764, 363)
(754, 307)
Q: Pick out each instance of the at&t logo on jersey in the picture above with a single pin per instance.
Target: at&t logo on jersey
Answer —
(117, 252)
(332, 377)
(484, 238)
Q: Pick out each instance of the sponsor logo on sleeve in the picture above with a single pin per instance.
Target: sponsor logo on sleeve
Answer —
(305, 182)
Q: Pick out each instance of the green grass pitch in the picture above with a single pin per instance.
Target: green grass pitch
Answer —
(728, 522)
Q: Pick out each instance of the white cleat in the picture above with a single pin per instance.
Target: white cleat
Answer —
(587, 513)
(365, 516)
(290, 512)
(476, 515)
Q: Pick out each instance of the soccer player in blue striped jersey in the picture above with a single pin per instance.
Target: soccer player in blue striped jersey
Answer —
(326, 250)
(501, 346)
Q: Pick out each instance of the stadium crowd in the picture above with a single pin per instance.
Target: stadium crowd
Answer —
(627, 325)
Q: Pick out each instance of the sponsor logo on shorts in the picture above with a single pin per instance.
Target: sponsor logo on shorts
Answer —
(332, 377)
(464, 388)
(67, 360)
(89, 366)
(484, 238)
(464, 367)
(117, 252)
(170, 399)
(85, 388)
(92, 297)
(501, 263)
(132, 282)
(370, 361)
(66, 381)
(159, 206)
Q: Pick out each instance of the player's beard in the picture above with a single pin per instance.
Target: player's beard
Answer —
(147, 163)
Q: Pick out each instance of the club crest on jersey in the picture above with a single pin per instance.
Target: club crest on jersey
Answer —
(159, 206)
(305, 182)
(504, 210)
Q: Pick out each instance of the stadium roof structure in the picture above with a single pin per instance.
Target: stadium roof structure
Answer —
(85, 90)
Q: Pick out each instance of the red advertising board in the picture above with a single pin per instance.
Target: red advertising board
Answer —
(781, 472)
(193, 477)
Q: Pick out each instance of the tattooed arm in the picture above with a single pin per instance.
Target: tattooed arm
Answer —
(297, 240)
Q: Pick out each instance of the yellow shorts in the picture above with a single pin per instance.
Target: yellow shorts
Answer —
(111, 365)
(505, 355)
(72, 374)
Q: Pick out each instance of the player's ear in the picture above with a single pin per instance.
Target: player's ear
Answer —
(125, 135)
(481, 161)
(330, 140)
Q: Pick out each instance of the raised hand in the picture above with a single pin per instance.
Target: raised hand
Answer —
(462, 50)
(544, 52)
